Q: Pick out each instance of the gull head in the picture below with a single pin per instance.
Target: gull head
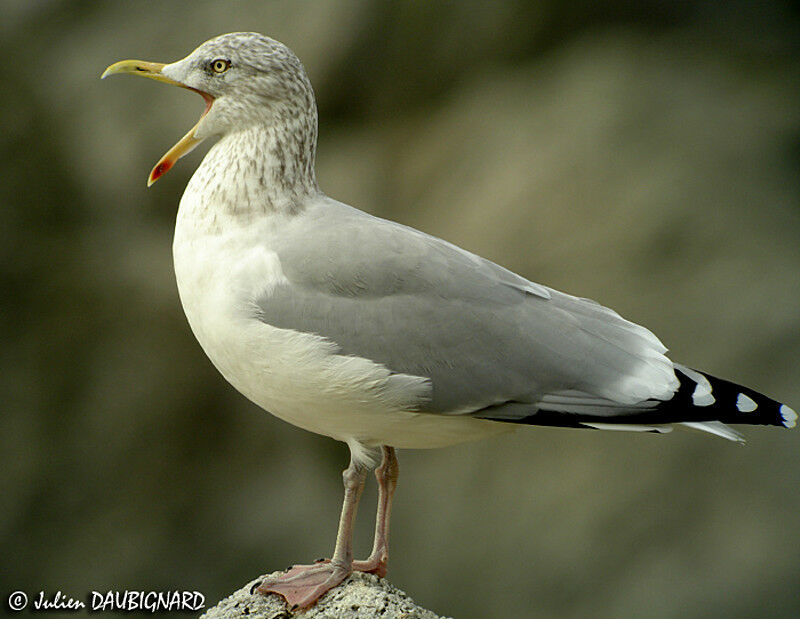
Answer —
(245, 78)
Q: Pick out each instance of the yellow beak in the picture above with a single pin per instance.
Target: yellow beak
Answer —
(153, 71)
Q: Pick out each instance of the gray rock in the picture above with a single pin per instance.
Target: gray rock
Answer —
(359, 597)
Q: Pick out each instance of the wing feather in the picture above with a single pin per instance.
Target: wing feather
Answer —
(483, 335)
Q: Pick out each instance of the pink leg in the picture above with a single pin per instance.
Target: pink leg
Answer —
(386, 474)
(303, 585)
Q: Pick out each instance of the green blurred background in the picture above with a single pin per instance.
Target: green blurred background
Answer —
(645, 154)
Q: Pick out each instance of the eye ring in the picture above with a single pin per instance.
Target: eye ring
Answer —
(220, 65)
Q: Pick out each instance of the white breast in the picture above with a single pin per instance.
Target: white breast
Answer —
(224, 266)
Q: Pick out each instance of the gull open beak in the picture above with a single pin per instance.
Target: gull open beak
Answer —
(153, 71)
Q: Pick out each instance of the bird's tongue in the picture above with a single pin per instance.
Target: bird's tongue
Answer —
(184, 146)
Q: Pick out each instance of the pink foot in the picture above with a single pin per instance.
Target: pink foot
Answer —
(373, 565)
(303, 585)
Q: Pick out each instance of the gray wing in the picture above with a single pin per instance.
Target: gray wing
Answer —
(484, 336)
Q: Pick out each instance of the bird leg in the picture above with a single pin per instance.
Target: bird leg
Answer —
(386, 474)
(303, 585)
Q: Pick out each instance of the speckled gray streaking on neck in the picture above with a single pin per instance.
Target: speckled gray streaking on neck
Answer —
(265, 111)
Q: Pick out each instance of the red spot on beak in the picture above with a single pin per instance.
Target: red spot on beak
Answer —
(185, 145)
(159, 171)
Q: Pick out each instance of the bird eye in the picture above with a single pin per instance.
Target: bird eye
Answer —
(220, 65)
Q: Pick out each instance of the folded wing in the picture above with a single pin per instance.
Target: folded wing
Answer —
(487, 339)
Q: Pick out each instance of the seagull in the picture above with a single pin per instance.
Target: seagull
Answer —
(374, 333)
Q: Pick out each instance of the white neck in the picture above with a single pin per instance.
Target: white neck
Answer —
(249, 173)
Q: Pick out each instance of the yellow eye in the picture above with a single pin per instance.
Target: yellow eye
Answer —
(220, 65)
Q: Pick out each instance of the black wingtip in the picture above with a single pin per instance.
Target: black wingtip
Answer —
(707, 397)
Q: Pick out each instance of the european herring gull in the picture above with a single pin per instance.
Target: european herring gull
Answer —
(377, 334)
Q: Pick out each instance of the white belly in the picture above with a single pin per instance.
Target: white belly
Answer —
(222, 272)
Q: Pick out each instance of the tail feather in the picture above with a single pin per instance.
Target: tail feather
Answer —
(715, 427)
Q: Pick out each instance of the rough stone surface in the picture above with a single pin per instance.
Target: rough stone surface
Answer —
(359, 597)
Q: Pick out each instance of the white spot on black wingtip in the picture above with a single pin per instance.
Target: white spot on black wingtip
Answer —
(789, 416)
(702, 395)
(745, 404)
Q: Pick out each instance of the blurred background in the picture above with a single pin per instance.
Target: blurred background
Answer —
(645, 154)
